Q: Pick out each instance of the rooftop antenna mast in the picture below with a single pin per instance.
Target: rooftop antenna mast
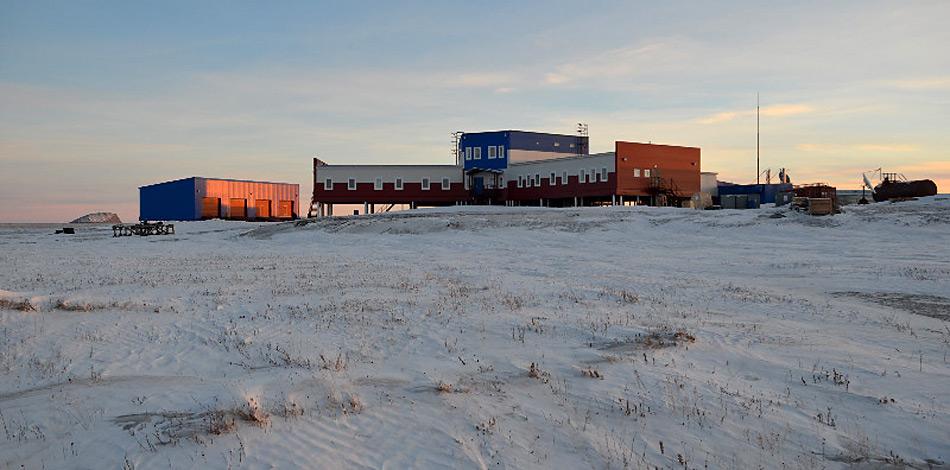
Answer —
(757, 170)
(456, 140)
(582, 131)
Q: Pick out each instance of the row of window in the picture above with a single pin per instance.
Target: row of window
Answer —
(636, 173)
(475, 153)
(584, 176)
(378, 184)
(556, 144)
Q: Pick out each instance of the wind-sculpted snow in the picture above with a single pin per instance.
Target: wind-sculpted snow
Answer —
(477, 337)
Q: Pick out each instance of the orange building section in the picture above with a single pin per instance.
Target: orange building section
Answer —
(237, 199)
(641, 168)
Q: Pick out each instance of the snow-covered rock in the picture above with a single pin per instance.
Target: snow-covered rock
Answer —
(98, 218)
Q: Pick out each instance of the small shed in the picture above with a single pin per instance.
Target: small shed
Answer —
(739, 201)
(778, 194)
(709, 183)
(820, 191)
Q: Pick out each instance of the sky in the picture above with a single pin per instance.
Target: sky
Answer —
(99, 98)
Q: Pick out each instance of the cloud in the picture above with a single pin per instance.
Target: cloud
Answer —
(938, 166)
(850, 148)
(721, 117)
(778, 110)
(849, 176)
(888, 148)
(786, 110)
(556, 78)
(480, 80)
(616, 63)
(930, 83)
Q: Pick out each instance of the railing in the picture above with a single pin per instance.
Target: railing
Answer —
(143, 229)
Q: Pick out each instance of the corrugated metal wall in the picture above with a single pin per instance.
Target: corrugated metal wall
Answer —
(171, 200)
(282, 198)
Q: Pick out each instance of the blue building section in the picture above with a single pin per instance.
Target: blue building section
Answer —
(475, 150)
(542, 142)
(778, 194)
(490, 150)
(173, 200)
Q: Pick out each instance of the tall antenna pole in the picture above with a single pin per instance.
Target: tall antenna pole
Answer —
(456, 140)
(757, 173)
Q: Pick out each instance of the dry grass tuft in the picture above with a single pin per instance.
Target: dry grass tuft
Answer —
(255, 414)
(658, 340)
(653, 340)
(17, 304)
(592, 373)
(356, 405)
(535, 372)
(338, 365)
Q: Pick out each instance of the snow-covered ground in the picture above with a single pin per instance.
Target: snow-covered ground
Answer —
(483, 337)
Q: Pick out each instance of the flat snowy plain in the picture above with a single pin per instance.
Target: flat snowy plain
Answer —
(484, 338)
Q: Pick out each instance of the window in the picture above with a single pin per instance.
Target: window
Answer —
(425, 184)
(521, 181)
(582, 176)
(564, 178)
(553, 180)
(351, 184)
(328, 184)
(446, 185)
(646, 173)
(572, 145)
(476, 153)
(527, 181)
(603, 174)
(636, 172)
(593, 175)
(537, 179)
(398, 184)
(378, 184)
(491, 152)
(501, 151)
(557, 144)
(468, 153)
(501, 182)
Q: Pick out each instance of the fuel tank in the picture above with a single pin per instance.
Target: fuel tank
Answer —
(889, 189)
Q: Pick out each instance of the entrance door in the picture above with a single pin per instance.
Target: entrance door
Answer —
(285, 209)
(238, 208)
(479, 185)
(210, 208)
(263, 208)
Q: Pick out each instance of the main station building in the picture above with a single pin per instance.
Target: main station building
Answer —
(513, 167)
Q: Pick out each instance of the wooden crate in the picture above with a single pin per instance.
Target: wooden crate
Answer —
(820, 206)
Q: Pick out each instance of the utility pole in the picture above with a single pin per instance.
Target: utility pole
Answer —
(757, 173)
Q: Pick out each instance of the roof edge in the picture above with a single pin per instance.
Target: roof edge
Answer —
(657, 145)
(218, 179)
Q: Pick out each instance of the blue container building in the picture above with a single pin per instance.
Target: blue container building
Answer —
(494, 150)
(778, 194)
(199, 198)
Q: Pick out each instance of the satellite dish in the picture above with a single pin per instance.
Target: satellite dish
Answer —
(867, 182)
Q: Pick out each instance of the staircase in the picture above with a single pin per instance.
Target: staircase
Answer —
(314, 209)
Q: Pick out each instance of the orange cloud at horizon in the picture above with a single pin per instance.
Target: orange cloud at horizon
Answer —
(778, 110)
(850, 178)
